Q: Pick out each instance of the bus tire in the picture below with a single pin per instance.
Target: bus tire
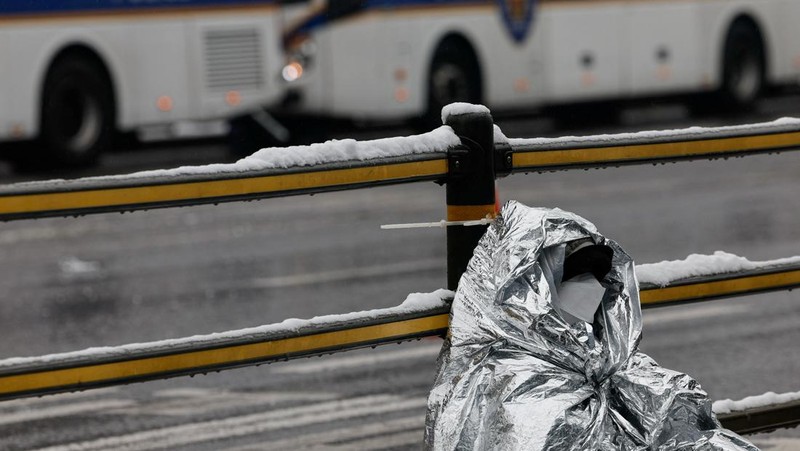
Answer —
(454, 77)
(743, 67)
(77, 119)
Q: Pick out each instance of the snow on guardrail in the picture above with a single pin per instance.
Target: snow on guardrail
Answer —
(699, 265)
(570, 152)
(415, 303)
(768, 399)
(330, 152)
(273, 172)
(786, 124)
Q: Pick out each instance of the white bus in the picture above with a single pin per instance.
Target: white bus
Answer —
(390, 59)
(76, 71)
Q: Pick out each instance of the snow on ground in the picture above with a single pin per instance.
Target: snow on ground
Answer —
(666, 272)
(73, 266)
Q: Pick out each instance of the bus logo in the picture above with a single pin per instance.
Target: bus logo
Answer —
(518, 17)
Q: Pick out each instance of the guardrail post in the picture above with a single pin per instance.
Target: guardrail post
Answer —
(470, 187)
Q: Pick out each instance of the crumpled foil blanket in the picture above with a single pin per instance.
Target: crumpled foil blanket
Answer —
(515, 374)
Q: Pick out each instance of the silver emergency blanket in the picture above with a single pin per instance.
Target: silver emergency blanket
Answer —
(515, 374)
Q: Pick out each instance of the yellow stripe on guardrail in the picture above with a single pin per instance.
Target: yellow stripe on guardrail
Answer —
(601, 155)
(733, 286)
(470, 212)
(65, 202)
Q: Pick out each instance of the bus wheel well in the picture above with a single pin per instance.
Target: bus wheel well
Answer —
(457, 44)
(743, 63)
(77, 116)
(454, 75)
(747, 21)
(87, 54)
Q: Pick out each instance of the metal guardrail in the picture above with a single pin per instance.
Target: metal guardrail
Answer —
(158, 360)
(123, 193)
(468, 168)
(126, 364)
(120, 194)
(654, 147)
(762, 419)
(709, 287)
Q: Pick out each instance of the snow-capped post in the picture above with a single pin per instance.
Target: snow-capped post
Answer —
(470, 182)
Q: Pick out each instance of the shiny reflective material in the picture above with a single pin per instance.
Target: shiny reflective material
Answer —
(515, 373)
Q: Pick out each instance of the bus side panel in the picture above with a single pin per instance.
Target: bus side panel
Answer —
(156, 75)
(514, 72)
(376, 64)
(17, 116)
(234, 63)
(785, 48)
(130, 66)
(36, 46)
(585, 50)
(360, 50)
(316, 87)
(155, 70)
(23, 73)
(6, 114)
(386, 76)
(664, 52)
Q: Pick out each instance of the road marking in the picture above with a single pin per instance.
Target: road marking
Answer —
(341, 275)
(237, 426)
(45, 232)
(63, 410)
(358, 432)
(57, 398)
(384, 442)
(664, 315)
(197, 401)
(334, 363)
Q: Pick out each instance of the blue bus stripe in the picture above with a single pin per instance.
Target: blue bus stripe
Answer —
(11, 7)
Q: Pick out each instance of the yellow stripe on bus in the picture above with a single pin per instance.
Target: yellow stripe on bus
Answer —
(187, 361)
(567, 157)
(742, 285)
(155, 194)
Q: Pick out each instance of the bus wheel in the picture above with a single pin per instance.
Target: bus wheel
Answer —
(454, 77)
(742, 66)
(77, 116)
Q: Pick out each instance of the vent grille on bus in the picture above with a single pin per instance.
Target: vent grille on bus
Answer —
(233, 60)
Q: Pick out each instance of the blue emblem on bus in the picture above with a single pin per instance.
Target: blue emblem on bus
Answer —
(518, 17)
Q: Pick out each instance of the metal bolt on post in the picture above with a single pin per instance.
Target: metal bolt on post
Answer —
(470, 187)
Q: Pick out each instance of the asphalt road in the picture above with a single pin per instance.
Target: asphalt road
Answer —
(68, 284)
